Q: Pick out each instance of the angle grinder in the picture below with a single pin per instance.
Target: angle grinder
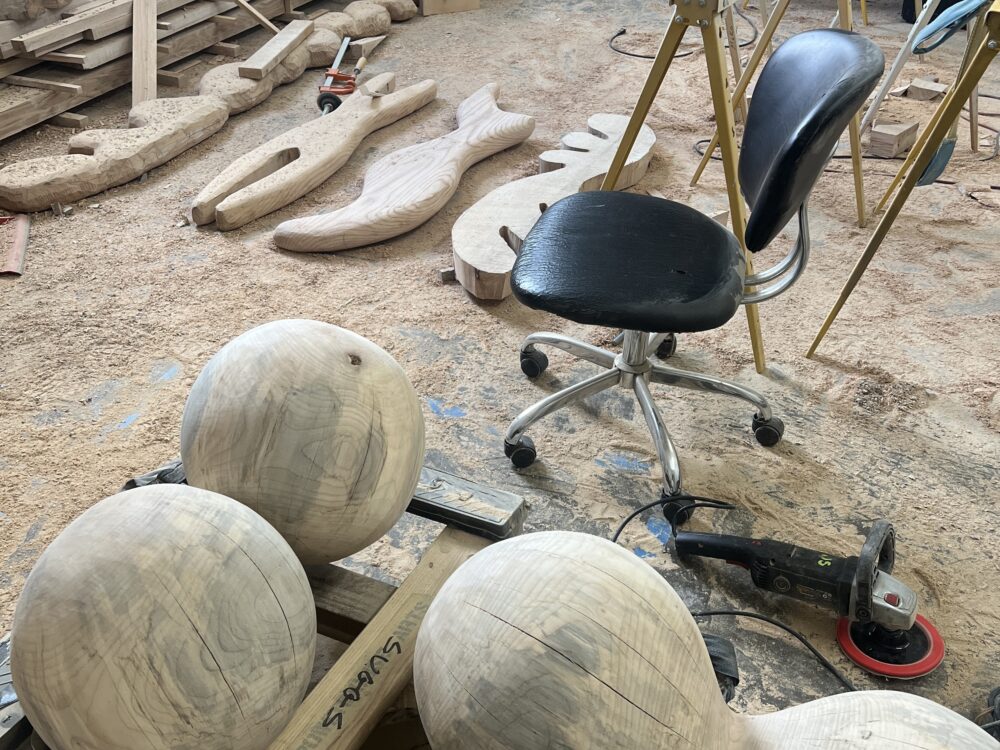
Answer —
(879, 628)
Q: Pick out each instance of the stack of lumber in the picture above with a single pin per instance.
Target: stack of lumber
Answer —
(49, 70)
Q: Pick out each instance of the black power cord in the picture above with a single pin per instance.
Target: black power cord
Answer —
(623, 31)
(705, 502)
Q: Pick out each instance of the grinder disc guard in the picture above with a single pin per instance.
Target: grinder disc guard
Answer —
(899, 654)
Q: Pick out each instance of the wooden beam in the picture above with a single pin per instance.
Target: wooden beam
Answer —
(67, 27)
(43, 83)
(143, 51)
(262, 19)
(266, 59)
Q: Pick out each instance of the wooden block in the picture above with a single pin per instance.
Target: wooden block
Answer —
(923, 90)
(15, 231)
(436, 7)
(67, 27)
(890, 140)
(179, 75)
(143, 51)
(347, 703)
(362, 47)
(226, 49)
(266, 59)
(43, 83)
(71, 120)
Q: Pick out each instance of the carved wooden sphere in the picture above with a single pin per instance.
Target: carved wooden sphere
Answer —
(312, 426)
(565, 640)
(161, 618)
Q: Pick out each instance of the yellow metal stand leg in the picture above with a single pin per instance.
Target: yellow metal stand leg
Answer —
(766, 35)
(739, 100)
(864, 12)
(661, 63)
(715, 57)
(947, 113)
(854, 128)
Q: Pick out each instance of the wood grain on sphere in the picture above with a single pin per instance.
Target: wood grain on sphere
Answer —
(162, 618)
(565, 640)
(312, 426)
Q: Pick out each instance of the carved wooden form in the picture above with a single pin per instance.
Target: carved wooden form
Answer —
(557, 638)
(293, 163)
(407, 187)
(164, 617)
(159, 131)
(486, 237)
(312, 426)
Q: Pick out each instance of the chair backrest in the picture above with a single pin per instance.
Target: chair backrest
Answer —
(807, 93)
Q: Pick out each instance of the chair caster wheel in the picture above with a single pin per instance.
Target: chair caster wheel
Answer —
(533, 363)
(667, 347)
(522, 453)
(676, 508)
(768, 432)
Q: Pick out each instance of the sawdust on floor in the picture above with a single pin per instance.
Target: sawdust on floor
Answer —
(123, 302)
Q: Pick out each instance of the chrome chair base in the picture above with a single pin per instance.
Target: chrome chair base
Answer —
(630, 369)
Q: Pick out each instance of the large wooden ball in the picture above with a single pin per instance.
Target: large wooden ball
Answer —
(565, 640)
(312, 426)
(165, 617)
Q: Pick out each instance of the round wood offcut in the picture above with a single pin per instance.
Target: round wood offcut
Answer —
(312, 426)
(565, 640)
(164, 617)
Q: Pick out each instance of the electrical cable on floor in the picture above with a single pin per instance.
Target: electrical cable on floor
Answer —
(622, 31)
(705, 502)
(827, 664)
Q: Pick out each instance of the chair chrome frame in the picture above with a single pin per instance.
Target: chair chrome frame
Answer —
(633, 369)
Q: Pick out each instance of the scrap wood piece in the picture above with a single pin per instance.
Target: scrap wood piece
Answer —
(71, 120)
(434, 7)
(891, 139)
(359, 48)
(14, 230)
(299, 160)
(406, 188)
(264, 60)
(924, 90)
(486, 238)
(43, 83)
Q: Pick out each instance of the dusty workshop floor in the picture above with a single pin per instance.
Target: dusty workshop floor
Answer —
(122, 303)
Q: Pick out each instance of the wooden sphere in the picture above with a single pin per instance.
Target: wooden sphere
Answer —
(312, 426)
(164, 617)
(565, 640)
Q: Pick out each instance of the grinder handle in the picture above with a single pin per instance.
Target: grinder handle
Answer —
(733, 549)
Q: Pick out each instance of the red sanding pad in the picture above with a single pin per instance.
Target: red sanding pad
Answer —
(930, 652)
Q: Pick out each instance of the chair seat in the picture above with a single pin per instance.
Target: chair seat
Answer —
(630, 261)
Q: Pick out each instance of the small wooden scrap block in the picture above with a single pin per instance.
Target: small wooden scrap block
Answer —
(436, 7)
(447, 274)
(890, 140)
(899, 90)
(924, 90)
(71, 120)
(14, 231)
(226, 49)
(359, 48)
(178, 75)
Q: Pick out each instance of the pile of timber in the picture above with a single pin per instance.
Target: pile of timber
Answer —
(50, 70)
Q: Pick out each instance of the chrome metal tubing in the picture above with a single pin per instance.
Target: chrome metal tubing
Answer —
(698, 382)
(793, 265)
(669, 463)
(577, 348)
(596, 384)
(634, 348)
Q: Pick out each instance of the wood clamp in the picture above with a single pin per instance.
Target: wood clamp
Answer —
(336, 84)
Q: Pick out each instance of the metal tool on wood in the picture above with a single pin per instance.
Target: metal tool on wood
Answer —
(336, 84)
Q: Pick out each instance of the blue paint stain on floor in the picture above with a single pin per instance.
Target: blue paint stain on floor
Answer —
(624, 462)
(439, 409)
(164, 370)
(128, 421)
(659, 528)
(640, 552)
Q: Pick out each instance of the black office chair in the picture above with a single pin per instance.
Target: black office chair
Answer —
(647, 264)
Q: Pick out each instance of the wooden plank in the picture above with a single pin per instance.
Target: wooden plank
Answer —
(9, 67)
(345, 601)
(436, 7)
(343, 708)
(143, 51)
(43, 83)
(262, 19)
(16, 229)
(179, 75)
(24, 111)
(71, 120)
(266, 59)
(67, 27)
(113, 26)
(191, 14)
